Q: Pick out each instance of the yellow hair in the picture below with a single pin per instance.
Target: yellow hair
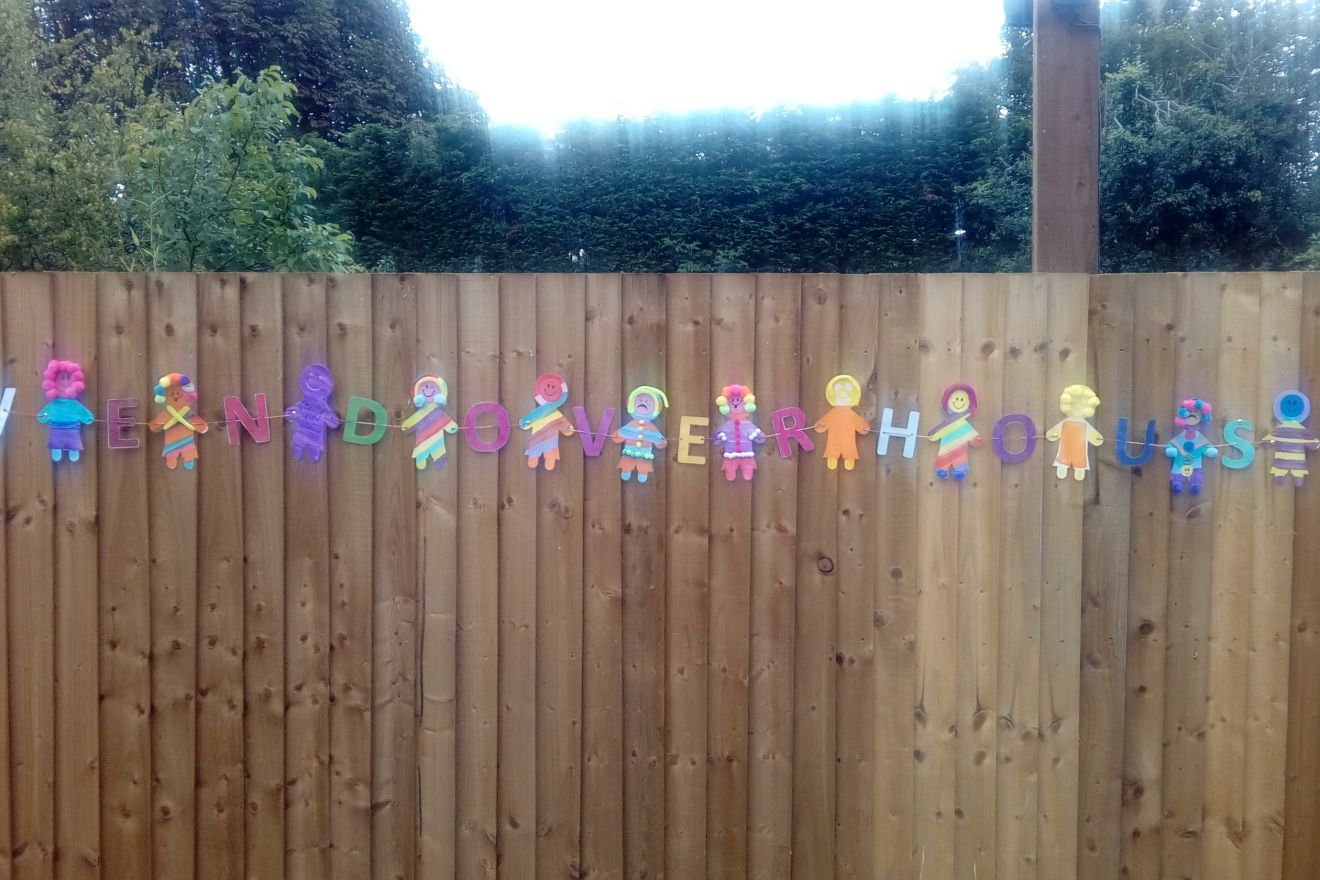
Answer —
(1078, 400)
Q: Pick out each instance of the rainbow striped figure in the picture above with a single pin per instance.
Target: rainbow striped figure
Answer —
(178, 393)
(1291, 438)
(955, 434)
(431, 423)
(546, 422)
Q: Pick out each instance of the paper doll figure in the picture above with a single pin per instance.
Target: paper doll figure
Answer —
(1075, 434)
(1189, 447)
(955, 434)
(842, 424)
(640, 437)
(181, 428)
(738, 436)
(312, 416)
(546, 422)
(431, 423)
(63, 381)
(1291, 438)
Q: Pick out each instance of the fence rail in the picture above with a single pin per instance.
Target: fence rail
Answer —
(271, 668)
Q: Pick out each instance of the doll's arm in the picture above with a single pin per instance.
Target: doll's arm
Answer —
(1054, 433)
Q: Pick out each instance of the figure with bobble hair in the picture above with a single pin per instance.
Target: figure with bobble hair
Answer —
(738, 436)
(1189, 448)
(181, 427)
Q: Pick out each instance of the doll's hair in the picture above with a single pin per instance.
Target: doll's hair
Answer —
(658, 395)
(1194, 406)
(74, 381)
(971, 398)
(441, 384)
(172, 380)
(749, 399)
(1079, 395)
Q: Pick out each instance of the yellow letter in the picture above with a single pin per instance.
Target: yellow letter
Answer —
(686, 439)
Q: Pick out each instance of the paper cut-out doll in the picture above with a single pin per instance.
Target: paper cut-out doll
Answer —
(955, 434)
(431, 423)
(1075, 434)
(312, 416)
(1189, 447)
(1291, 438)
(842, 424)
(546, 422)
(639, 437)
(63, 381)
(181, 428)
(738, 436)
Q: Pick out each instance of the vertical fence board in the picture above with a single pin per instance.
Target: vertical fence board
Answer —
(1026, 333)
(898, 371)
(644, 596)
(602, 609)
(732, 320)
(394, 572)
(29, 337)
(437, 575)
(77, 783)
(1230, 578)
(8, 379)
(172, 343)
(478, 586)
(262, 312)
(689, 584)
(1301, 852)
(1105, 562)
(519, 584)
(306, 585)
(814, 728)
(220, 769)
(975, 789)
(855, 569)
(561, 346)
(349, 347)
(770, 793)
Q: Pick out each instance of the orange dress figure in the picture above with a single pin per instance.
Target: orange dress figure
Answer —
(1075, 434)
(181, 428)
(842, 424)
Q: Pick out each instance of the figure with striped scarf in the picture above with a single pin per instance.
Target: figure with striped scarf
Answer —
(430, 423)
(181, 427)
(1291, 439)
(640, 437)
(546, 422)
(955, 434)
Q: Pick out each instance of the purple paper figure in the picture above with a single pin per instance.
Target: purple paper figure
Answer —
(738, 436)
(1291, 439)
(312, 416)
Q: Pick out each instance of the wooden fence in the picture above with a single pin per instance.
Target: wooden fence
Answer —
(268, 668)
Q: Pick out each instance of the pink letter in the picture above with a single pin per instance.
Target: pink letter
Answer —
(592, 444)
(789, 422)
(118, 433)
(235, 414)
(501, 422)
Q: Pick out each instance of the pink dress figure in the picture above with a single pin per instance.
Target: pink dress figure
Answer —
(738, 436)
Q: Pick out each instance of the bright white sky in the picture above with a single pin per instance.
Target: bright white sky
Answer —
(545, 62)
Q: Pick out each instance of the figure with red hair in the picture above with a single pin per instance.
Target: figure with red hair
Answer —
(955, 434)
(181, 427)
(546, 422)
(63, 381)
(738, 436)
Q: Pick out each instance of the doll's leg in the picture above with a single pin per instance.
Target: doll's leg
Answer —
(190, 456)
(1176, 483)
(643, 471)
(730, 469)
(1079, 474)
(1196, 481)
(626, 468)
(832, 463)
(551, 458)
(849, 464)
(1060, 470)
(748, 468)
(960, 471)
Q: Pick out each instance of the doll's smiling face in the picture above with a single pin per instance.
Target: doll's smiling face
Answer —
(316, 381)
(429, 391)
(959, 402)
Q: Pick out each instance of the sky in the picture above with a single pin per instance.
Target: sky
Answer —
(541, 64)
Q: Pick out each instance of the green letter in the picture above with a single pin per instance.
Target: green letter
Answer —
(354, 418)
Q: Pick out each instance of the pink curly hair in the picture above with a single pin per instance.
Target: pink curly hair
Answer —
(1194, 405)
(63, 379)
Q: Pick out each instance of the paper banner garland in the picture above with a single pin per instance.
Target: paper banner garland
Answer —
(955, 434)
(1291, 438)
(842, 424)
(65, 415)
(739, 436)
(312, 416)
(177, 392)
(639, 437)
(546, 422)
(1075, 435)
(430, 422)
(1189, 448)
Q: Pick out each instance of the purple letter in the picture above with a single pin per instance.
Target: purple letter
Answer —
(1028, 428)
(789, 422)
(501, 421)
(592, 444)
(117, 434)
(236, 414)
